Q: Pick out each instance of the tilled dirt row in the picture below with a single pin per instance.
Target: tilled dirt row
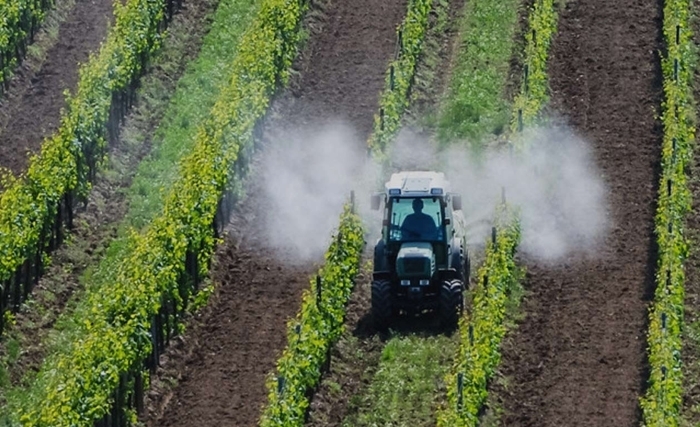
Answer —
(578, 358)
(222, 361)
(31, 110)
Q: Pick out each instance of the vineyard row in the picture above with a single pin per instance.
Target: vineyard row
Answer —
(100, 378)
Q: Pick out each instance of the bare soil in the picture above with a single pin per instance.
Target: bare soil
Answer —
(30, 110)
(578, 358)
(221, 363)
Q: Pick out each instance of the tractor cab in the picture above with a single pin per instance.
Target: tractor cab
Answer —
(420, 261)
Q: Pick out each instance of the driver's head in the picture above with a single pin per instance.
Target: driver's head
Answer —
(417, 205)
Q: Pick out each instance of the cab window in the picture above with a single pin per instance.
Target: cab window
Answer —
(416, 219)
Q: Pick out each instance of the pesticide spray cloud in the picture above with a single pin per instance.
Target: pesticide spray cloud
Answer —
(554, 183)
(308, 176)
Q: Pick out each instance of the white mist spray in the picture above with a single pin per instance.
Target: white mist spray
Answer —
(554, 182)
(309, 174)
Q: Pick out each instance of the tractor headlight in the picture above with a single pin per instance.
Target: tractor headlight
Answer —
(405, 283)
(424, 282)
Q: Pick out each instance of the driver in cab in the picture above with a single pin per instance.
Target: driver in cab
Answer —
(418, 225)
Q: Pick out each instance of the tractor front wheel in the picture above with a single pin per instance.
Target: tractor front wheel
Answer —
(451, 303)
(382, 304)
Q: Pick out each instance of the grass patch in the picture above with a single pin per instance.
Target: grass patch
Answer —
(475, 105)
(196, 93)
(408, 383)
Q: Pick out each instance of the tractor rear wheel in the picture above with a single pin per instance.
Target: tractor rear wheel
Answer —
(462, 264)
(451, 303)
(467, 270)
(382, 304)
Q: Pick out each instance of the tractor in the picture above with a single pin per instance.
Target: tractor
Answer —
(421, 261)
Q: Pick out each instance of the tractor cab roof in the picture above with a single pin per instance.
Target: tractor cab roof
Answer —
(417, 184)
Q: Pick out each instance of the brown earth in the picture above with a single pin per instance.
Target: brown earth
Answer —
(221, 363)
(96, 222)
(578, 358)
(30, 110)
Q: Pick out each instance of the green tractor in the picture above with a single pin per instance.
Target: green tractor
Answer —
(421, 262)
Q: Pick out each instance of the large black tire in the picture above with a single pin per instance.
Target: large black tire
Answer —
(382, 304)
(451, 303)
(460, 262)
(467, 270)
(380, 261)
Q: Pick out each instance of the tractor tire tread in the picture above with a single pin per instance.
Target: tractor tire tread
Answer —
(451, 303)
(382, 309)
